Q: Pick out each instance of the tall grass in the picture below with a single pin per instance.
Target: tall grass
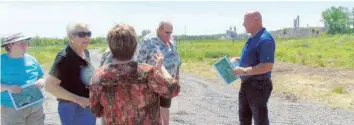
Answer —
(45, 55)
(331, 51)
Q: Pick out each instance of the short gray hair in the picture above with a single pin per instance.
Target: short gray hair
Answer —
(72, 28)
(163, 23)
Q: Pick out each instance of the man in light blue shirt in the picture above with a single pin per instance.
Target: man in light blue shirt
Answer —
(161, 41)
(17, 69)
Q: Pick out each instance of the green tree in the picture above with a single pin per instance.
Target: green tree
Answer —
(336, 20)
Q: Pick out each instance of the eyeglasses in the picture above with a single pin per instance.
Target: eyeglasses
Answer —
(168, 33)
(83, 34)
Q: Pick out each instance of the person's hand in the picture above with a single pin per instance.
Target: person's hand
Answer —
(159, 60)
(239, 71)
(40, 83)
(232, 59)
(82, 101)
(14, 89)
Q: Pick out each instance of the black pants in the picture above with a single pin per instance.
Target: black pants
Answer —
(253, 98)
(165, 102)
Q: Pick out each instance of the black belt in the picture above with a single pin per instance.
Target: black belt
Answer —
(62, 100)
(256, 77)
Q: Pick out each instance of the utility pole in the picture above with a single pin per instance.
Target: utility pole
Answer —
(185, 32)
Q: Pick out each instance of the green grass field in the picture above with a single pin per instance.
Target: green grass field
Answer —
(334, 51)
(328, 51)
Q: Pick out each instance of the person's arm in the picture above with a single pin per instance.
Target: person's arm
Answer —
(95, 94)
(95, 105)
(266, 55)
(143, 52)
(4, 87)
(235, 58)
(11, 88)
(163, 84)
(52, 85)
(53, 80)
(104, 58)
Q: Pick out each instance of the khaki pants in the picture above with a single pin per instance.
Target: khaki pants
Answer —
(27, 116)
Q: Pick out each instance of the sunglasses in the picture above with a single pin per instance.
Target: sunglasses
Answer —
(83, 34)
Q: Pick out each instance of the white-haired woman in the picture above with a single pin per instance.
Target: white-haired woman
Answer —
(67, 79)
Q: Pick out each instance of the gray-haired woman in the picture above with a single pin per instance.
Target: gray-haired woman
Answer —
(69, 76)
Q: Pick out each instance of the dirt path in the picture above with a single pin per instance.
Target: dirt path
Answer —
(207, 102)
(335, 87)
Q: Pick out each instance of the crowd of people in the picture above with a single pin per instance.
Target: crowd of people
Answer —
(135, 82)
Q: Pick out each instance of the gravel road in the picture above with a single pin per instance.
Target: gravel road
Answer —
(206, 102)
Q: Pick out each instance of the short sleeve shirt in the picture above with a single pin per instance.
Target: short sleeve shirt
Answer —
(73, 71)
(150, 45)
(106, 57)
(19, 71)
(258, 49)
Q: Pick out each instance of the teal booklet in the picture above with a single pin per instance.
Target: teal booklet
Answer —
(224, 68)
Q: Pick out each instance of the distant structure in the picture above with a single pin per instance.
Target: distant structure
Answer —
(297, 22)
(231, 33)
(298, 33)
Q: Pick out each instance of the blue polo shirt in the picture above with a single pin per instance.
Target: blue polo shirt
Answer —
(258, 49)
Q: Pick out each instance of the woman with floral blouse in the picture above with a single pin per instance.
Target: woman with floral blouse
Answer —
(127, 92)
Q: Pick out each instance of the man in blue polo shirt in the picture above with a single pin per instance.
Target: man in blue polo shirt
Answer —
(256, 64)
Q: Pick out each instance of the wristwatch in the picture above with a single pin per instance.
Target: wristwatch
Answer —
(245, 71)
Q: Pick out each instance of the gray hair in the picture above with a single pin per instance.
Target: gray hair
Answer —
(73, 27)
(163, 23)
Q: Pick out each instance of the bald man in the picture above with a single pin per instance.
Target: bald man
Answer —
(256, 63)
(162, 41)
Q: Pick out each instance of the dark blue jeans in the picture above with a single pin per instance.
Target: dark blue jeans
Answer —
(253, 99)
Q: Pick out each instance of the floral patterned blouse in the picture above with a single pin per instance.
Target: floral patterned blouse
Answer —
(128, 94)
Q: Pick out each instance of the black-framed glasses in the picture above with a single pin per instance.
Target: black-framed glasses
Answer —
(83, 34)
